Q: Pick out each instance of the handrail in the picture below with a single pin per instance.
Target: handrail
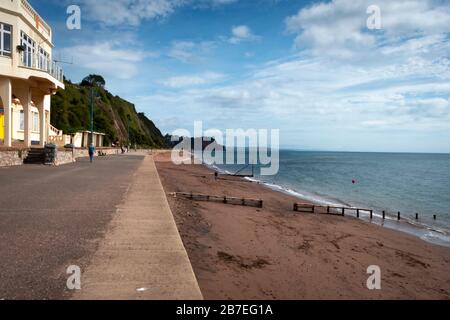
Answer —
(36, 62)
(55, 130)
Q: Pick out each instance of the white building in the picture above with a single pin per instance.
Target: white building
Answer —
(81, 139)
(28, 75)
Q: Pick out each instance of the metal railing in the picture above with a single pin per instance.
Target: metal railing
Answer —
(41, 63)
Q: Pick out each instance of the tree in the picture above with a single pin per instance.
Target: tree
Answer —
(94, 80)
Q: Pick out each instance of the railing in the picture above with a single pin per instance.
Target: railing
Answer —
(41, 63)
(56, 138)
(56, 132)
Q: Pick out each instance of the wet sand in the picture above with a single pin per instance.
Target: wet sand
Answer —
(273, 253)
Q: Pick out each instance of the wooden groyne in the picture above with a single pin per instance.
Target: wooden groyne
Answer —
(342, 211)
(334, 210)
(221, 199)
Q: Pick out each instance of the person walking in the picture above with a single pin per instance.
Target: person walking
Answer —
(91, 152)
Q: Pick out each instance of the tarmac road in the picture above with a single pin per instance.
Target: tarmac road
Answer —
(54, 217)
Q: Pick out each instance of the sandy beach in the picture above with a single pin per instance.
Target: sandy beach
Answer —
(273, 253)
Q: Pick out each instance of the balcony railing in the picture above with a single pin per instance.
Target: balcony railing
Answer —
(41, 63)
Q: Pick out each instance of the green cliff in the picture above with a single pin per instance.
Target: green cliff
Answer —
(70, 112)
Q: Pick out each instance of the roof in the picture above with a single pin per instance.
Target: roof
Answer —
(97, 133)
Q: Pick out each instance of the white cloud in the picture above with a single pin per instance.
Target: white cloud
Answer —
(107, 59)
(189, 51)
(133, 12)
(339, 28)
(345, 81)
(206, 78)
(320, 96)
(241, 33)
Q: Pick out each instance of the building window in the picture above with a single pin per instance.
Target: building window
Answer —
(35, 123)
(21, 120)
(28, 56)
(5, 39)
(44, 59)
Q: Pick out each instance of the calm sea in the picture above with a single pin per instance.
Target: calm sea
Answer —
(409, 183)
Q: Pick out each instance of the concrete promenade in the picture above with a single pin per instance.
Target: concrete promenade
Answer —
(142, 255)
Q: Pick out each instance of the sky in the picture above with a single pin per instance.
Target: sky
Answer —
(312, 69)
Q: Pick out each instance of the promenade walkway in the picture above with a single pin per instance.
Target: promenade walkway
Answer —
(142, 255)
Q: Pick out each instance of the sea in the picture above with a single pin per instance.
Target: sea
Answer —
(408, 183)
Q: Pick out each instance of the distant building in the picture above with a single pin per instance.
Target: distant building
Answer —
(28, 75)
(81, 139)
(78, 140)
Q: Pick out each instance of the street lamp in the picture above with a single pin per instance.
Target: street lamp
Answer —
(92, 116)
(128, 122)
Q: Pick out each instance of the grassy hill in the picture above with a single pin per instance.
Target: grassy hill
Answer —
(71, 112)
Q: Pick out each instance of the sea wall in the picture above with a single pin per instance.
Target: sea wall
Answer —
(81, 153)
(12, 157)
(66, 156)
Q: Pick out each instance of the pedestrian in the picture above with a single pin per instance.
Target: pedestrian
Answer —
(91, 152)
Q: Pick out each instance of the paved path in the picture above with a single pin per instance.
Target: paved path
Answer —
(51, 218)
(142, 255)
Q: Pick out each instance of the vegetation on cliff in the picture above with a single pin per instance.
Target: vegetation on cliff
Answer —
(70, 112)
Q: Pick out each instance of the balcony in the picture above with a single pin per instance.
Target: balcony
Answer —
(41, 63)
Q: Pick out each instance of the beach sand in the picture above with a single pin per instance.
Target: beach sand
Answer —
(274, 253)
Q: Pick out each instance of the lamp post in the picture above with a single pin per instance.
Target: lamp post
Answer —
(91, 139)
(128, 123)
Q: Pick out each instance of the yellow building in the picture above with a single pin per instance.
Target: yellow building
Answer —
(28, 75)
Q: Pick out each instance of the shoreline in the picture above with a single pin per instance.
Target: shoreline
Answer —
(272, 253)
(407, 225)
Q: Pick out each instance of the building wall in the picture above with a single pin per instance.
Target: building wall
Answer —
(12, 12)
(2, 125)
(18, 125)
(81, 140)
(26, 81)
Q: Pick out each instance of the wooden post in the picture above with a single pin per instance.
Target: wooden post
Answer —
(371, 214)
(295, 207)
(384, 215)
(399, 216)
(357, 213)
(417, 216)
(225, 200)
(328, 209)
(434, 217)
(313, 209)
(261, 203)
(343, 212)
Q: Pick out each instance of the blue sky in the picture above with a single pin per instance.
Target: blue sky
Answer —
(309, 68)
